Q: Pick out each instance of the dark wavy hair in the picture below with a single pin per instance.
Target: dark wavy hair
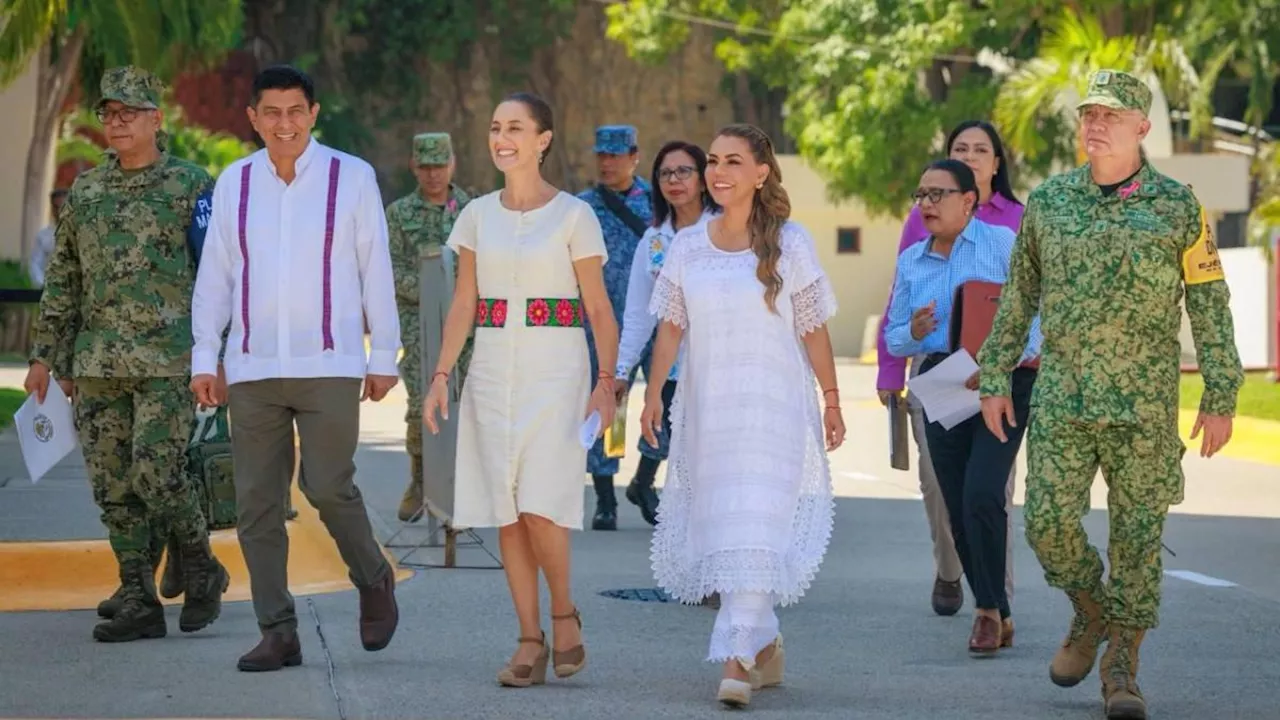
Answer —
(1000, 184)
(662, 208)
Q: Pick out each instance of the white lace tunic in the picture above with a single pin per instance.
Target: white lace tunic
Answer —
(747, 505)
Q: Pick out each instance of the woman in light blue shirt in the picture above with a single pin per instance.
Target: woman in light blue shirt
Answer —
(682, 201)
(971, 464)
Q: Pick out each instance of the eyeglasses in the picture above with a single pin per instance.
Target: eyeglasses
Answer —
(126, 115)
(935, 195)
(684, 172)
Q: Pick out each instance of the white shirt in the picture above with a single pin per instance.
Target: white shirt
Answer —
(638, 323)
(299, 306)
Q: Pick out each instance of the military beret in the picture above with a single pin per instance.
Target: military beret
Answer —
(434, 148)
(1117, 90)
(131, 86)
(615, 139)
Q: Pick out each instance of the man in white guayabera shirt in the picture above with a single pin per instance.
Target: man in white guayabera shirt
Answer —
(295, 259)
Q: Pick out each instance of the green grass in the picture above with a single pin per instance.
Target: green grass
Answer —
(1259, 397)
(10, 400)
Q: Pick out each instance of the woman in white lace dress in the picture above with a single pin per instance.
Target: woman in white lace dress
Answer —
(747, 506)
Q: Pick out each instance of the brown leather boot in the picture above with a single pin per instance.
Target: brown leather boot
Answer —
(379, 614)
(986, 636)
(1079, 650)
(411, 503)
(1119, 671)
(277, 649)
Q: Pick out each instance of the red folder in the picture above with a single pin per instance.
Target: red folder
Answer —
(972, 314)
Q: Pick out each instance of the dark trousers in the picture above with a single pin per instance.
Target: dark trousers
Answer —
(327, 413)
(973, 466)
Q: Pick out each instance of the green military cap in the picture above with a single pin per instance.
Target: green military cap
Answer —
(131, 86)
(1118, 91)
(432, 148)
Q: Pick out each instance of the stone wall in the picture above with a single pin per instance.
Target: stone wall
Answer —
(587, 78)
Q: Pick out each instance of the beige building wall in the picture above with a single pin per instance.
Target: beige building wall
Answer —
(19, 103)
(861, 279)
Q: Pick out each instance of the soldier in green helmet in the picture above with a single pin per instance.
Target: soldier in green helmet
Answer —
(115, 328)
(1105, 254)
(418, 222)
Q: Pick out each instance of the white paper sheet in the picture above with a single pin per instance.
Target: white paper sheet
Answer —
(590, 430)
(942, 392)
(46, 431)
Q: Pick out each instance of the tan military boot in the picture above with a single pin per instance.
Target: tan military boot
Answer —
(1119, 671)
(411, 503)
(1075, 658)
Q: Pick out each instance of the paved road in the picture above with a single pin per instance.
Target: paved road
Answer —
(863, 644)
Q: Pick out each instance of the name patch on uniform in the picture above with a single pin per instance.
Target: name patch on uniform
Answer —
(1200, 263)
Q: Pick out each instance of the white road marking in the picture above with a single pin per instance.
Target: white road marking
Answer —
(1199, 579)
(860, 476)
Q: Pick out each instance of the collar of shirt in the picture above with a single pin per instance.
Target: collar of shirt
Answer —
(302, 163)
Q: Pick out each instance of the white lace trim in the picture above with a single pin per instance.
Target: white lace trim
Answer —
(667, 302)
(688, 579)
(813, 305)
(739, 642)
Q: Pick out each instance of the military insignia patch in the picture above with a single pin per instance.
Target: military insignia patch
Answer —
(1201, 263)
(1103, 78)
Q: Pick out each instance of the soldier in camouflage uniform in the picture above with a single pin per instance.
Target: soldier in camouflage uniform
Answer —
(1104, 254)
(115, 321)
(623, 202)
(416, 223)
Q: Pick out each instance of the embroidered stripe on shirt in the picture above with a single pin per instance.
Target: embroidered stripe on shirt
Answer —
(244, 253)
(330, 209)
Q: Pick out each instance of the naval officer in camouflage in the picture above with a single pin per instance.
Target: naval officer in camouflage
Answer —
(623, 202)
(417, 222)
(115, 327)
(1105, 254)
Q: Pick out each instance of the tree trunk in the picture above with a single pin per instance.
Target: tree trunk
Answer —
(53, 84)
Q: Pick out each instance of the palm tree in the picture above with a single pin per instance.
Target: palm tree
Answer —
(64, 36)
(1031, 108)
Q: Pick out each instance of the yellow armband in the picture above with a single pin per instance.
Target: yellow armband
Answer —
(1200, 262)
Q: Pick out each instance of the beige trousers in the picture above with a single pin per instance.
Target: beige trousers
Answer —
(945, 558)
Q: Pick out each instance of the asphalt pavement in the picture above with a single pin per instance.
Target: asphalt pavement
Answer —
(863, 643)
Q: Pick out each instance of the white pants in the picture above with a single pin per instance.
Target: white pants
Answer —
(745, 625)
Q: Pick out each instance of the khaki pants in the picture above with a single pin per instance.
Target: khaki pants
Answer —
(945, 558)
(327, 413)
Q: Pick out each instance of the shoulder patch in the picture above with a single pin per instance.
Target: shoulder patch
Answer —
(1201, 263)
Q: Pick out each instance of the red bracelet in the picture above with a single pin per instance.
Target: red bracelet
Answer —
(833, 407)
(832, 390)
(439, 374)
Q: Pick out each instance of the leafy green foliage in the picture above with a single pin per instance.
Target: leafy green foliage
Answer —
(212, 151)
(10, 400)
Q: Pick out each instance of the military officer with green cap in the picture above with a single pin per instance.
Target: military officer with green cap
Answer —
(115, 328)
(1105, 254)
(418, 222)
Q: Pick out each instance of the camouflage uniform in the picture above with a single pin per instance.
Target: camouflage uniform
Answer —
(1106, 272)
(620, 240)
(116, 318)
(416, 226)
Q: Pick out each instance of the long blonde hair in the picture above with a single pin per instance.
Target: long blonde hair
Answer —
(770, 209)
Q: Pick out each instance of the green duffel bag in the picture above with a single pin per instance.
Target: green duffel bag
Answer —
(209, 462)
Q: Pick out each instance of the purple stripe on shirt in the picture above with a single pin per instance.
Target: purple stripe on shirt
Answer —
(244, 253)
(330, 211)
(998, 211)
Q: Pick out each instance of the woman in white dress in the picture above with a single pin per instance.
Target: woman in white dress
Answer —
(530, 261)
(747, 507)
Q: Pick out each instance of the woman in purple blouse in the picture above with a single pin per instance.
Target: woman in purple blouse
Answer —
(977, 144)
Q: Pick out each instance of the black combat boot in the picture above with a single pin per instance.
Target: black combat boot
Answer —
(206, 581)
(172, 581)
(641, 493)
(108, 608)
(140, 614)
(606, 517)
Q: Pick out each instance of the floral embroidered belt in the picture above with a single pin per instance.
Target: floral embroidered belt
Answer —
(538, 312)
